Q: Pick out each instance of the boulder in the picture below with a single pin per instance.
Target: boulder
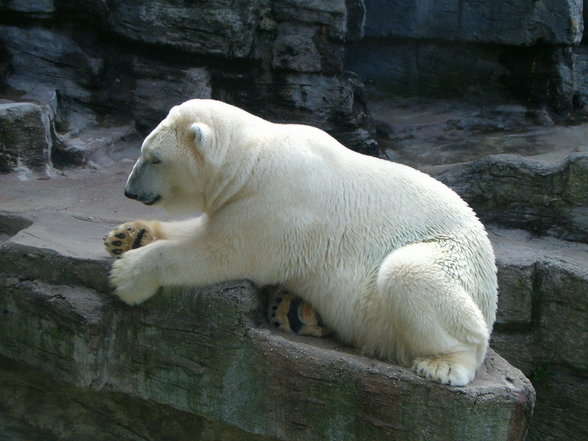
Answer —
(224, 28)
(25, 137)
(539, 196)
(203, 352)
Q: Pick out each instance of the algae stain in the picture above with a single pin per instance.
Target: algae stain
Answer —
(245, 393)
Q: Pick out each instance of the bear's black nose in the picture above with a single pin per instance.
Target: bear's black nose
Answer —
(130, 195)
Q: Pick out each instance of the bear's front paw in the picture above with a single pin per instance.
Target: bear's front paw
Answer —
(128, 236)
(134, 282)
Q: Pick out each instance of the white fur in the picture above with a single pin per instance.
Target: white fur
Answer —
(393, 260)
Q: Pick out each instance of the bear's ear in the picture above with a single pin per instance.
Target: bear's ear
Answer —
(201, 133)
(205, 148)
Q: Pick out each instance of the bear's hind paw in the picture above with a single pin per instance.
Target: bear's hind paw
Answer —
(290, 313)
(128, 236)
(454, 369)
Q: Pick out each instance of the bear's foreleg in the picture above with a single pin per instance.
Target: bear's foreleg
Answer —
(437, 328)
(287, 312)
(192, 258)
(136, 234)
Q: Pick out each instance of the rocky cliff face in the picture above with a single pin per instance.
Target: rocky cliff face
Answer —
(471, 49)
(96, 64)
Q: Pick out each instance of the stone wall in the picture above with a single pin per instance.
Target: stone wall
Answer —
(93, 64)
(469, 49)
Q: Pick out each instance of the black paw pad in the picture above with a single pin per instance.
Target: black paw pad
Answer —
(138, 238)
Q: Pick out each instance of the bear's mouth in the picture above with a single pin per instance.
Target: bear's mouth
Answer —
(152, 200)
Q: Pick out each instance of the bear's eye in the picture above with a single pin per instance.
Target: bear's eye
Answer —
(154, 161)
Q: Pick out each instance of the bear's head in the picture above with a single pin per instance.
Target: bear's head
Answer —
(182, 156)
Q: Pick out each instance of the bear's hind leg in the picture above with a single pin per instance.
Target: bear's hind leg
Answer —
(436, 327)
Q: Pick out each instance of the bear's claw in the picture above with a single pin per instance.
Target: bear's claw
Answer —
(447, 369)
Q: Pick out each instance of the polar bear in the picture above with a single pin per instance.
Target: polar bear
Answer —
(395, 262)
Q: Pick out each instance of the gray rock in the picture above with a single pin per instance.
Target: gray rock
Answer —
(561, 411)
(225, 28)
(98, 146)
(474, 50)
(544, 335)
(25, 138)
(333, 14)
(407, 67)
(557, 22)
(515, 291)
(159, 88)
(35, 8)
(48, 63)
(542, 197)
(294, 48)
(355, 19)
(561, 315)
(67, 413)
(542, 286)
(200, 351)
(235, 51)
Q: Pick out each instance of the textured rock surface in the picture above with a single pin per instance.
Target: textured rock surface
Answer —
(224, 27)
(197, 352)
(500, 22)
(475, 50)
(76, 354)
(25, 136)
(542, 327)
(132, 61)
(36, 407)
(421, 67)
(545, 198)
